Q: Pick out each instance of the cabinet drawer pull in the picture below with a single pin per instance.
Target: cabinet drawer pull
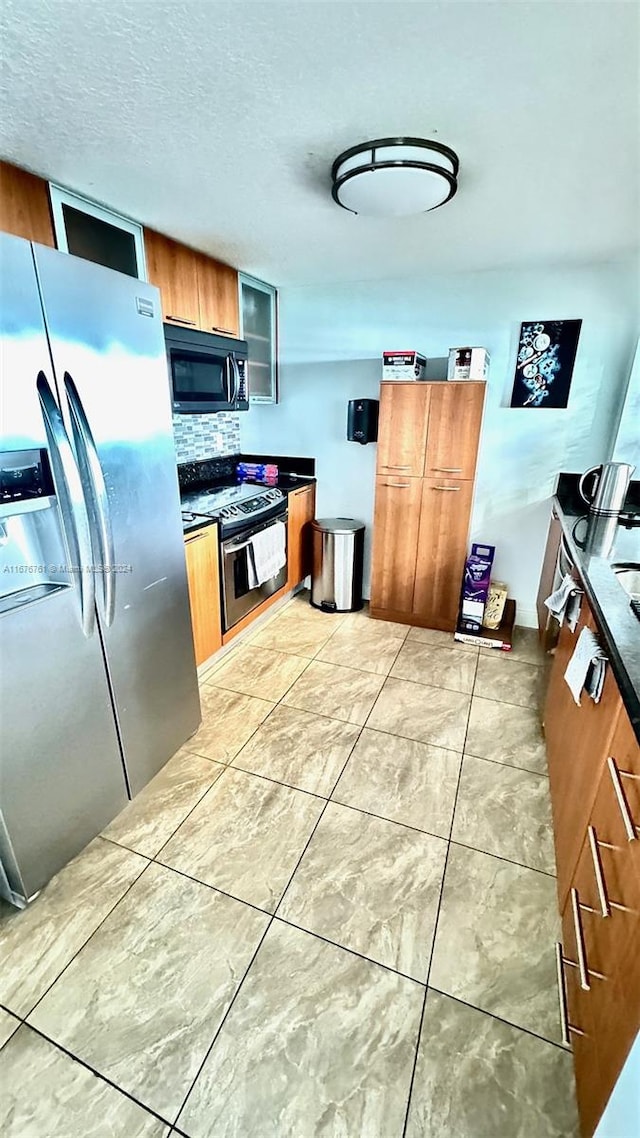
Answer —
(605, 908)
(453, 489)
(562, 996)
(398, 485)
(196, 537)
(181, 320)
(388, 467)
(627, 820)
(227, 331)
(448, 469)
(580, 949)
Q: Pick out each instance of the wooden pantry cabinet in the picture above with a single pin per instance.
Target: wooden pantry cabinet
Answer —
(427, 451)
(203, 580)
(197, 291)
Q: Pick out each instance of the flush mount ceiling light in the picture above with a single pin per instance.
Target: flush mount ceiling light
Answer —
(394, 177)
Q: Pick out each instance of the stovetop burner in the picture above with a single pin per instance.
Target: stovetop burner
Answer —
(233, 506)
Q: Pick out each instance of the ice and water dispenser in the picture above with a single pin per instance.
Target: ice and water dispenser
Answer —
(34, 561)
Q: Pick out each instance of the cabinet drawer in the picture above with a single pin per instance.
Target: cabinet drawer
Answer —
(581, 1033)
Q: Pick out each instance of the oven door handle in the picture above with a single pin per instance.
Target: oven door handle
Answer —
(233, 545)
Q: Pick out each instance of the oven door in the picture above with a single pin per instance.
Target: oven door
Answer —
(238, 598)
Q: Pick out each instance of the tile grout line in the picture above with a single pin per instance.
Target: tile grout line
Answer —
(436, 923)
(93, 1070)
(500, 1019)
(261, 942)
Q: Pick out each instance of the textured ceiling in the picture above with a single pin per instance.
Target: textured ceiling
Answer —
(217, 122)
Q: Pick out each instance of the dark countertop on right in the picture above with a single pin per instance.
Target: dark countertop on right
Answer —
(595, 546)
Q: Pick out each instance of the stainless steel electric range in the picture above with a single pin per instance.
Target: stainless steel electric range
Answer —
(240, 511)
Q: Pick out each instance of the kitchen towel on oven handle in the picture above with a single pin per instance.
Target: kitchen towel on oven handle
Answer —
(565, 602)
(586, 668)
(267, 554)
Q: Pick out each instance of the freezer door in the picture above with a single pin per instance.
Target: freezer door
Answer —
(61, 774)
(107, 343)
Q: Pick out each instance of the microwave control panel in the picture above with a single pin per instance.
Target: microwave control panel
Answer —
(242, 394)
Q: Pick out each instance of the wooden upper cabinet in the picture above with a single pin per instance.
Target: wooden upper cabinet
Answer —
(442, 548)
(24, 205)
(453, 435)
(395, 540)
(173, 268)
(201, 552)
(218, 297)
(402, 435)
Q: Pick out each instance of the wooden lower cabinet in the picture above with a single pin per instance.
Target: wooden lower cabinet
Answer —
(442, 545)
(604, 912)
(302, 511)
(203, 579)
(395, 543)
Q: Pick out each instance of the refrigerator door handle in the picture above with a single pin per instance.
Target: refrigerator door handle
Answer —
(73, 509)
(94, 476)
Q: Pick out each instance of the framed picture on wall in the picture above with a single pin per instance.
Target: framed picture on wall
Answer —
(544, 365)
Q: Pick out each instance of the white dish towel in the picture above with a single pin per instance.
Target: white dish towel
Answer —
(586, 668)
(565, 602)
(267, 554)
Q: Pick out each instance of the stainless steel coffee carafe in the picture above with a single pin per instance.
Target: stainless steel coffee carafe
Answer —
(610, 484)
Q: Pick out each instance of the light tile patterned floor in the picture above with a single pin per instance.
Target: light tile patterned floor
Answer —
(332, 913)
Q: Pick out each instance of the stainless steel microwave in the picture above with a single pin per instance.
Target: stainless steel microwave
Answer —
(207, 373)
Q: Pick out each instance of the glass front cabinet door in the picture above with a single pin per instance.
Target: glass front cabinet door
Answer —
(259, 327)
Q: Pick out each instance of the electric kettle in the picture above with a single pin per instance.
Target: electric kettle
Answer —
(609, 490)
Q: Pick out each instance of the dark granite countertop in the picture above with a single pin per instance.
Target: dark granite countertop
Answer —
(595, 545)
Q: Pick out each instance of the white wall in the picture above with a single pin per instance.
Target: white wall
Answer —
(332, 338)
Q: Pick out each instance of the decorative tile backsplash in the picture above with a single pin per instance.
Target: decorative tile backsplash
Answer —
(206, 436)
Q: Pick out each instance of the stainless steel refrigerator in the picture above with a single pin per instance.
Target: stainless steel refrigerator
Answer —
(98, 685)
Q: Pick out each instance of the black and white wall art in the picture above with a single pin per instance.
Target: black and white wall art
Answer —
(544, 366)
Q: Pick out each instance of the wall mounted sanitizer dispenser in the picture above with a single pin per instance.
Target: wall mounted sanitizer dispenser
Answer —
(362, 421)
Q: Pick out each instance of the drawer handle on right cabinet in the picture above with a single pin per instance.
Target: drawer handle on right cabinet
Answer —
(605, 907)
(580, 949)
(562, 996)
(627, 820)
(454, 489)
(448, 469)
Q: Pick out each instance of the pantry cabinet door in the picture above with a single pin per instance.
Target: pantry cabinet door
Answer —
(395, 540)
(442, 549)
(218, 297)
(455, 416)
(173, 268)
(402, 431)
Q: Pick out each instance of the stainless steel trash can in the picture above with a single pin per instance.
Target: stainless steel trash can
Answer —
(338, 548)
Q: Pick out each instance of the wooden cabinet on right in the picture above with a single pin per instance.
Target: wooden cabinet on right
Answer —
(427, 450)
(601, 930)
